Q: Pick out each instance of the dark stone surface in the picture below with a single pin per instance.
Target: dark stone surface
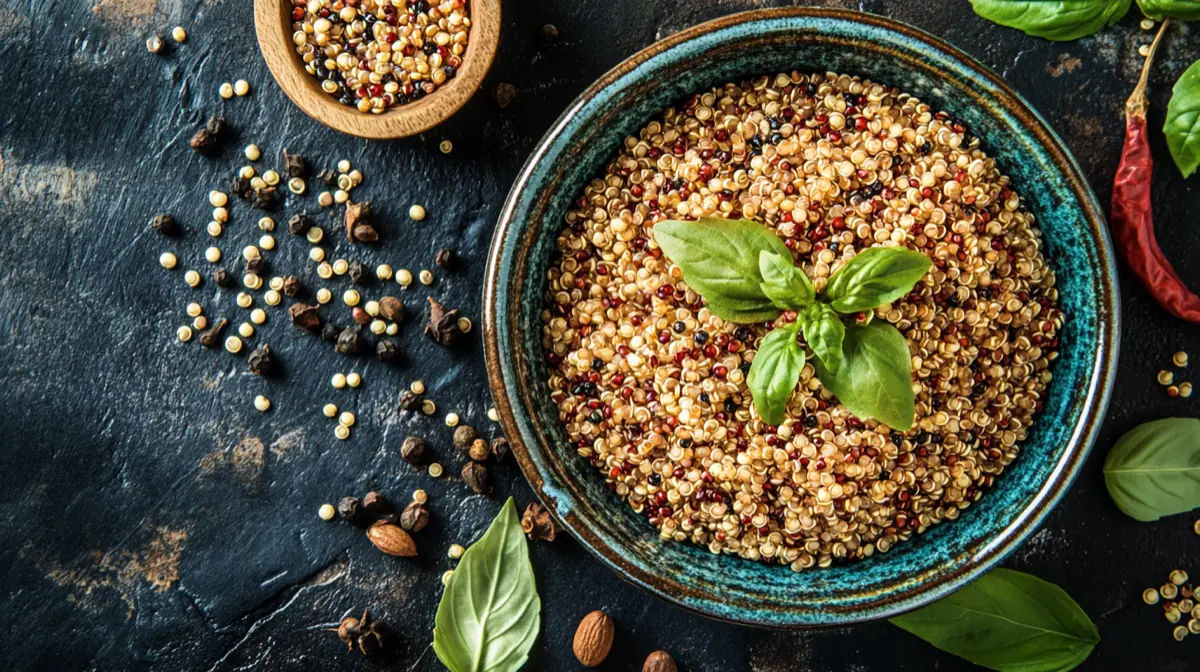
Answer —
(152, 519)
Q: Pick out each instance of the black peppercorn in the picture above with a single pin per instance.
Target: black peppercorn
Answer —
(549, 34)
(499, 447)
(409, 401)
(476, 477)
(257, 265)
(222, 278)
(376, 504)
(330, 332)
(442, 326)
(387, 351)
(291, 286)
(294, 163)
(505, 94)
(264, 199)
(299, 224)
(205, 139)
(413, 450)
(261, 360)
(304, 316)
(165, 224)
(414, 517)
(464, 435)
(358, 273)
(350, 341)
(445, 258)
(348, 508)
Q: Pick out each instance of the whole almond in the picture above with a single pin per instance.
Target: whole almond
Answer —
(593, 638)
(391, 539)
(659, 661)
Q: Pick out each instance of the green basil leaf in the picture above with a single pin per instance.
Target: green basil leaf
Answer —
(490, 612)
(1008, 621)
(878, 275)
(719, 259)
(825, 334)
(875, 378)
(1053, 19)
(1183, 121)
(1185, 10)
(783, 282)
(775, 372)
(1154, 469)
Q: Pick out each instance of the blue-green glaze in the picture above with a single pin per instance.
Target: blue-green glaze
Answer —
(765, 42)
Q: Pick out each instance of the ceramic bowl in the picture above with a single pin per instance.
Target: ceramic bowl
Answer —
(912, 573)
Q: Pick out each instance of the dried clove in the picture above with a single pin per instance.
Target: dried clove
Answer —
(442, 326)
(549, 34)
(222, 278)
(505, 94)
(358, 226)
(165, 224)
(291, 286)
(387, 351)
(350, 341)
(294, 163)
(305, 316)
(537, 523)
(413, 450)
(409, 401)
(240, 187)
(257, 265)
(211, 337)
(330, 332)
(414, 517)
(376, 504)
(478, 450)
(391, 309)
(464, 435)
(499, 448)
(205, 139)
(365, 633)
(445, 259)
(348, 508)
(358, 273)
(476, 477)
(299, 223)
(261, 360)
(264, 199)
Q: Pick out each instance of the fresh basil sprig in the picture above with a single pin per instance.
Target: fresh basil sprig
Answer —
(1183, 121)
(1058, 20)
(1185, 10)
(1008, 621)
(746, 274)
(1154, 469)
(490, 612)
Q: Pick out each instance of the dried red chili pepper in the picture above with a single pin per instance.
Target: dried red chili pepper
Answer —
(1132, 216)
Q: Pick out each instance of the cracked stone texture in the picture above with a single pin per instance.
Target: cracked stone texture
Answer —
(153, 520)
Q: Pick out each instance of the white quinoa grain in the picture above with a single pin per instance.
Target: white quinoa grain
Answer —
(342, 432)
(212, 255)
(416, 213)
(246, 330)
(179, 34)
(353, 379)
(435, 470)
(338, 380)
(262, 403)
(167, 260)
(455, 551)
(241, 87)
(346, 418)
(252, 152)
(324, 295)
(233, 344)
(326, 512)
(225, 90)
(184, 333)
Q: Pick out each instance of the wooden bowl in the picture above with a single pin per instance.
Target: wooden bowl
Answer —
(273, 24)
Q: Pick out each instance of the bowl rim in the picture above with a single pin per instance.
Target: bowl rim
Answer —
(272, 27)
(1100, 379)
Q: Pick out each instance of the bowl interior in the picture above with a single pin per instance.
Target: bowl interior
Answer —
(766, 42)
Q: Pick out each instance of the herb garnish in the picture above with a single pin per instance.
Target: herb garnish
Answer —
(1053, 19)
(746, 274)
(1182, 127)
(1154, 469)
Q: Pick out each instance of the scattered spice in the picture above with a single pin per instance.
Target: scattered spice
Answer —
(294, 164)
(391, 539)
(211, 337)
(179, 34)
(409, 400)
(436, 470)
(155, 44)
(659, 661)
(464, 436)
(505, 94)
(537, 523)
(222, 278)
(593, 638)
(261, 403)
(391, 309)
(476, 477)
(1180, 359)
(299, 223)
(206, 139)
(413, 450)
(479, 450)
(358, 273)
(387, 351)
(291, 286)
(451, 419)
(414, 517)
(1165, 377)
(549, 34)
(261, 361)
(350, 341)
(416, 213)
(305, 316)
(365, 634)
(326, 512)
(376, 504)
(1132, 208)
(499, 448)
(358, 227)
(165, 224)
(348, 508)
(442, 326)
(445, 258)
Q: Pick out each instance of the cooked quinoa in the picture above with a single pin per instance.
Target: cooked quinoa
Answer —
(652, 387)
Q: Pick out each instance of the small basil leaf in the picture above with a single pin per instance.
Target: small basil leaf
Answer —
(878, 275)
(719, 259)
(490, 611)
(783, 282)
(1053, 19)
(1008, 621)
(875, 378)
(1154, 469)
(1185, 10)
(825, 334)
(1183, 121)
(775, 372)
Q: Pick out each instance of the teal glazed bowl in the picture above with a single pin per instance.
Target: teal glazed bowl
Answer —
(912, 573)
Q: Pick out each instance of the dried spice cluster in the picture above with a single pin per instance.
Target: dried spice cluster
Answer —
(373, 54)
(651, 386)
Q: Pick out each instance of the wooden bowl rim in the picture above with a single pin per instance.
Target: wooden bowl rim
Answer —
(272, 25)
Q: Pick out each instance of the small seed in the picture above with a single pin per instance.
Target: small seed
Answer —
(446, 576)
(420, 496)
(200, 322)
(167, 260)
(326, 512)
(1150, 596)
(193, 309)
(324, 295)
(192, 278)
(1165, 377)
(1178, 577)
(179, 34)
(383, 272)
(435, 470)
(338, 381)
(262, 403)
(215, 229)
(455, 552)
(1147, 24)
(493, 415)
(1193, 626)
(258, 316)
(154, 44)
(426, 277)
(404, 277)
(1179, 633)
(1144, 50)
(451, 419)
(245, 330)
(342, 432)
(418, 387)
(330, 410)
(428, 407)
(1168, 591)
(241, 87)
(212, 255)
(233, 344)
(1185, 390)
(446, 146)
(346, 418)
(225, 90)
(1180, 359)
(416, 213)
(244, 300)
(184, 333)
(464, 325)
(350, 297)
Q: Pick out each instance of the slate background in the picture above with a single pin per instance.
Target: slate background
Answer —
(152, 519)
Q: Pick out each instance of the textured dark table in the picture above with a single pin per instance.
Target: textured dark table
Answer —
(152, 519)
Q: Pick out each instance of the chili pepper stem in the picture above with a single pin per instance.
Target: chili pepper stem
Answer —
(1137, 103)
